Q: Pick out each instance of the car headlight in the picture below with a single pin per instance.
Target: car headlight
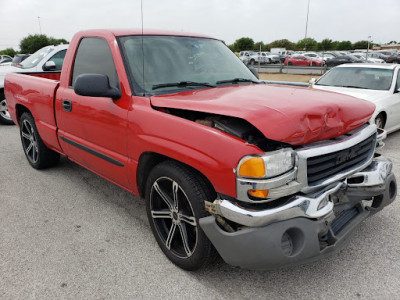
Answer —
(268, 165)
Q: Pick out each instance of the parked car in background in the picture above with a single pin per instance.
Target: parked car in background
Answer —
(47, 59)
(5, 59)
(395, 59)
(377, 55)
(376, 83)
(363, 57)
(270, 58)
(344, 59)
(301, 60)
(18, 59)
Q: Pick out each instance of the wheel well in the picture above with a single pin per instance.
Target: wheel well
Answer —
(20, 109)
(148, 161)
(384, 117)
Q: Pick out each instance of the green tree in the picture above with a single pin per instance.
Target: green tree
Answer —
(56, 42)
(361, 45)
(32, 43)
(325, 45)
(281, 44)
(335, 45)
(260, 45)
(8, 51)
(307, 44)
(345, 45)
(244, 43)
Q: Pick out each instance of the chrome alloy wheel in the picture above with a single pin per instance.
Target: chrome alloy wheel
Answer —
(173, 217)
(29, 141)
(4, 110)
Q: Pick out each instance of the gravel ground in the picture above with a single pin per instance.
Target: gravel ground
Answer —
(66, 233)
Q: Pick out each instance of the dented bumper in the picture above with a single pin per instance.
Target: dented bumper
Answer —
(307, 228)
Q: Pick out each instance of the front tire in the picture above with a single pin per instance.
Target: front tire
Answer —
(380, 121)
(175, 196)
(5, 117)
(38, 155)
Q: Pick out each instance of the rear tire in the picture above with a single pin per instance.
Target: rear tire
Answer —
(38, 155)
(175, 196)
(5, 117)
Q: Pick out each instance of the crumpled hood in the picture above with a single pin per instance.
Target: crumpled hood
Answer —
(292, 115)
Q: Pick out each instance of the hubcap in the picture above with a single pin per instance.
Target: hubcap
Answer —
(173, 217)
(29, 141)
(4, 110)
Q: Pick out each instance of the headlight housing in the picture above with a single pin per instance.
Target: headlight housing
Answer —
(269, 165)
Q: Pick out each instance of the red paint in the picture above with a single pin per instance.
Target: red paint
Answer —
(126, 128)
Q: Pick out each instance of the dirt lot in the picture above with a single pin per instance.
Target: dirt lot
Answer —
(286, 77)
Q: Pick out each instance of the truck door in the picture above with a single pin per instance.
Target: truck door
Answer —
(92, 130)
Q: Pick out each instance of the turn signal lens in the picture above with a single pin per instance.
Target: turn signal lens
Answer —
(252, 167)
(259, 193)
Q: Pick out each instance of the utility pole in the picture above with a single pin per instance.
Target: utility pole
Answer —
(305, 35)
(40, 27)
(369, 38)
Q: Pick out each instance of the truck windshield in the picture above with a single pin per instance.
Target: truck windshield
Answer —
(165, 64)
(355, 77)
(35, 58)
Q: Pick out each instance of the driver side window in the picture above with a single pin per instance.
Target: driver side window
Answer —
(398, 81)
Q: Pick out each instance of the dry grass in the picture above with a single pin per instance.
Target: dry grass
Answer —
(286, 77)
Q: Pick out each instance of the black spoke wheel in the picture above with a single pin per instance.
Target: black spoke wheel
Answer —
(38, 155)
(175, 197)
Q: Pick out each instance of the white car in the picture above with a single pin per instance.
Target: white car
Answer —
(47, 59)
(376, 83)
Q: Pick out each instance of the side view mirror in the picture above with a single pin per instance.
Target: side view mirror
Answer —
(254, 71)
(95, 85)
(50, 66)
(312, 81)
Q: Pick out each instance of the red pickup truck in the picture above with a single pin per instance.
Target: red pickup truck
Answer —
(263, 175)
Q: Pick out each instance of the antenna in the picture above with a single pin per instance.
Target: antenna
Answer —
(141, 10)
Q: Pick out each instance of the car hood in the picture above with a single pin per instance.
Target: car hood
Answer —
(292, 115)
(370, 95)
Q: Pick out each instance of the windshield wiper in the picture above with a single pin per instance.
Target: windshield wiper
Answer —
(182, 84)
(351, 86)
(236, 80)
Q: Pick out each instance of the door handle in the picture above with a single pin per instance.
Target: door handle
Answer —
(67, 105)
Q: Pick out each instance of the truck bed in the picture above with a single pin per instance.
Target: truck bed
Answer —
(35, 91)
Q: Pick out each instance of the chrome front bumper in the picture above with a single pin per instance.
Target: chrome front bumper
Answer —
(363, 185)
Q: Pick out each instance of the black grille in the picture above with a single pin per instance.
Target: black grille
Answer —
(324, 166)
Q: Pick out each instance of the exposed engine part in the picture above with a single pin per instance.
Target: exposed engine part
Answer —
(233, 126)
(224, 224)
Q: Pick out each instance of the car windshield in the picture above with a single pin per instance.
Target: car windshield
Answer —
(355, 77)
(173, 63)
(35, 58)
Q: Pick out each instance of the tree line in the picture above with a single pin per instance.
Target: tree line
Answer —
(32, 43)
(308, 44)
